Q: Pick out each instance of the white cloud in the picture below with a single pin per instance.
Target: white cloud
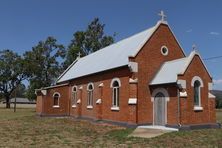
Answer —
(214, 33)
(219, 81)
(190, 30)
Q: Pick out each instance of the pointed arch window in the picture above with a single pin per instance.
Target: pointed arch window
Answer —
(74, 96)
(197, 93)
(90, 89)
(56, 97)
(115, 85)
(197, 84)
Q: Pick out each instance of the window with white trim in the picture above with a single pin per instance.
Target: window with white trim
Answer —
(197, 92)
(56, 97)
(74, 96)
(115, 91)
(164, 50)
(90, 95)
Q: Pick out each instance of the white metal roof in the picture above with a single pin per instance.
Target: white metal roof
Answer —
(113, 56)
(171, 69)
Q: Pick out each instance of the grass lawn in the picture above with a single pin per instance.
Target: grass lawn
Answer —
(24, 129)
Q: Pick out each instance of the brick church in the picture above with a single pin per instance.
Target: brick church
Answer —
(145, 79)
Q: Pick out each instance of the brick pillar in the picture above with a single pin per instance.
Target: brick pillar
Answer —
(132, 102)
(99, 103)
(79, 103)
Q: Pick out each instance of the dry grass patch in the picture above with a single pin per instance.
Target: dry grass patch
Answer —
(24, 129)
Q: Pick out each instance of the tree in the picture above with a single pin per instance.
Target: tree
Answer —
(88, 41)
(43, 64)
(12, 73)
(20, 91)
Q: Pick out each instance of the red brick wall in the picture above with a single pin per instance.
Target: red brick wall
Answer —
(106, 92)
(188, 115)
(149, 61)
(63, 101)
(39, 104)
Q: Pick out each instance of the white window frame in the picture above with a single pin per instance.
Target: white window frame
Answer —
(57, 105)
(90, 96)
(167, 52)
(197, 78)
(115, 94)
(74, 96)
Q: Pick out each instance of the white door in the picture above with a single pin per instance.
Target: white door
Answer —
(159, 109)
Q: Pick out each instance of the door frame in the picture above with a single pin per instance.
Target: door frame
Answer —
(167, 99)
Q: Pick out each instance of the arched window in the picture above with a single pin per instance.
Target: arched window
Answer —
(197, 83)
(196, 87)
(115, 93)
(56, 97)
(74, 96)
(90, 89)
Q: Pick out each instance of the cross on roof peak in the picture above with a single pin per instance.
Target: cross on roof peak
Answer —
(78, 55)
(194, 46)
(162, 15)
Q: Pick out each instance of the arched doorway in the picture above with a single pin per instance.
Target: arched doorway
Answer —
(159, 109)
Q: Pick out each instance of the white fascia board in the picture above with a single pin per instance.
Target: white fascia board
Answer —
(55, 86)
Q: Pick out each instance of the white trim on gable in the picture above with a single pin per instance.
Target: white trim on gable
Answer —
(155, 28)
(190, 58)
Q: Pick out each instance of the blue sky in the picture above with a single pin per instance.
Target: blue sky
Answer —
(23, 23)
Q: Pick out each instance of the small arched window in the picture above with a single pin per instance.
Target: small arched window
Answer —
(90, 89)
(115, 90)
(56, 97)
(197, 93)
(74, 95)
